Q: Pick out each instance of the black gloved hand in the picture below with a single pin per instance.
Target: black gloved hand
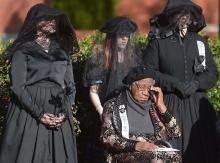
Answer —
(191, 87)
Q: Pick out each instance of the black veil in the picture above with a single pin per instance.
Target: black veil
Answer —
(106, 67)
(65, 32)
(164, 24)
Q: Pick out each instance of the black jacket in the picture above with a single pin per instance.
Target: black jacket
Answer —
(33, 65)
(174, 59)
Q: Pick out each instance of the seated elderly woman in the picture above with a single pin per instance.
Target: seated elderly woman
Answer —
(135, 121)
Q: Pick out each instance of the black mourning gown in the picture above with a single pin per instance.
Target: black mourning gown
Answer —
(195, 114)
(38, 83)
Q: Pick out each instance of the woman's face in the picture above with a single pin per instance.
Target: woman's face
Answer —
(140, 89)
(47, 26)
(122, 41)
(184, 21)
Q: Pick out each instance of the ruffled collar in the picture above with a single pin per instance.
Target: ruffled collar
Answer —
(55, 52)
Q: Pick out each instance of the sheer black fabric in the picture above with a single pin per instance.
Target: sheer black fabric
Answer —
(65, 31)
(109, 64)
(106, 69)
(110, 80)
(165, 24)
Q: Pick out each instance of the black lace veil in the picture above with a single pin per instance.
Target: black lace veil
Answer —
(65, 32)
(165, 24)
(106, 67)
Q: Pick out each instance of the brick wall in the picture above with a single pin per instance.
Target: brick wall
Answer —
(13, 12)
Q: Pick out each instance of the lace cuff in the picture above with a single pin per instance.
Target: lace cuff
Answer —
(130, 146)
(166, 117)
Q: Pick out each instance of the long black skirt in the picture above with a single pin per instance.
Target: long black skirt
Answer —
(196, 117)
(26, 140)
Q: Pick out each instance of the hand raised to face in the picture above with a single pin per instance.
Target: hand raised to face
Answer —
(158, 98)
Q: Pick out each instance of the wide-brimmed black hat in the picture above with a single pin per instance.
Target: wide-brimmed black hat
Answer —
(138, 73)
(162, 25)
(119, 25)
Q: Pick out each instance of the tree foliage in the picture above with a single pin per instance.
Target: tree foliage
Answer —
(87, 14)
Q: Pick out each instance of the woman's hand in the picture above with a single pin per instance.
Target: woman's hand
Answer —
(48, 119)
(52, 121)
(158, 98)
(59, 119)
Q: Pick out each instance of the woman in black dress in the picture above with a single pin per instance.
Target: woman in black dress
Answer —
(104, 73)
(186, 71)
(38, 125)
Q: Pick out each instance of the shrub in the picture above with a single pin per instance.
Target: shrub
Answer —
(214, 93)
(4, 83)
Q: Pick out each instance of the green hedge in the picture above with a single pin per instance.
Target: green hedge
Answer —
(214, 93)
(82, 98)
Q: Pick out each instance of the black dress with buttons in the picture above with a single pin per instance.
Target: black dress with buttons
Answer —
(41, 83)
(174, 60)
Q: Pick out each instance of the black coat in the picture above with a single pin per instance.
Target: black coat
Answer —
(32, 65)
(38, 83)
(174, 60)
